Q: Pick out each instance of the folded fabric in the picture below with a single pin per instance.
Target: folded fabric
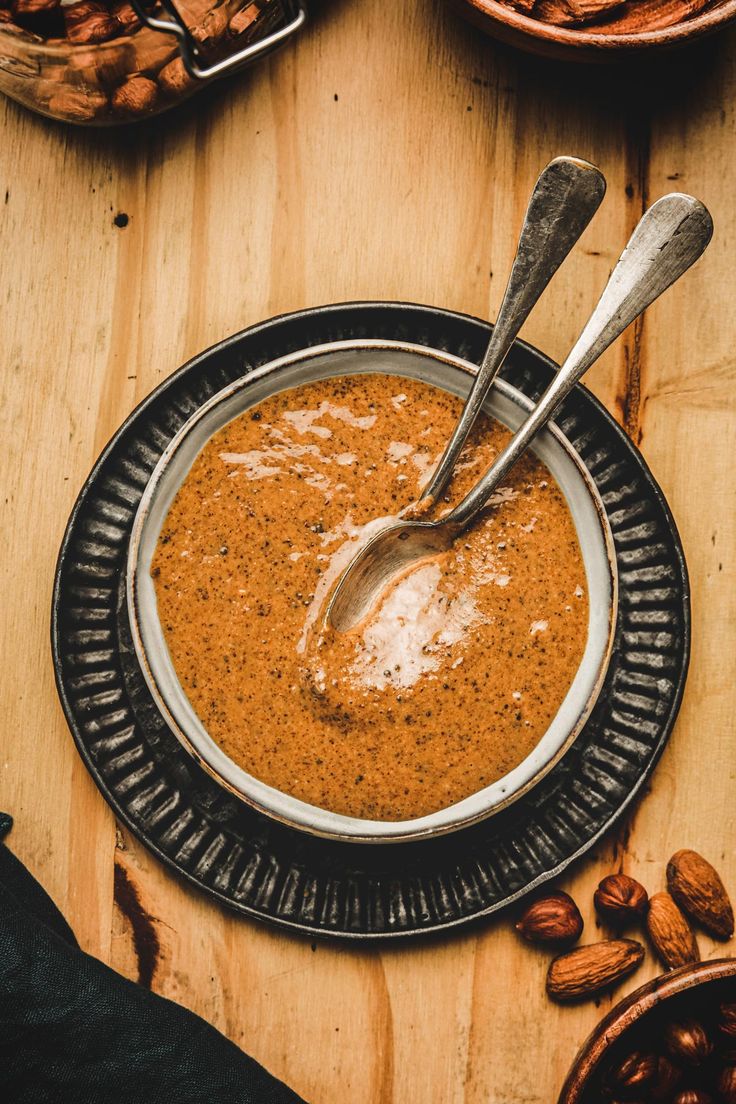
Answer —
(72, 1031)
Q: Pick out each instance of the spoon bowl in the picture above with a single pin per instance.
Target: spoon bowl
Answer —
(385, 558)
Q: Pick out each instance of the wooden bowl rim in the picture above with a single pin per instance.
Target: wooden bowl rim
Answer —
(699, 25)
(632, 1009)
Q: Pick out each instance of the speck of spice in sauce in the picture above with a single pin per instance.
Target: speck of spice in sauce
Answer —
(456, 675)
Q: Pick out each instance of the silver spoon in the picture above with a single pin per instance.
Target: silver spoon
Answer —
(667, 241)
(567, 194)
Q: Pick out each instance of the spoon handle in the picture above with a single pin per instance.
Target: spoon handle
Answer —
(669, 238)
(565, 198)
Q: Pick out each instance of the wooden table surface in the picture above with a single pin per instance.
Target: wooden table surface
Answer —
(388, 154)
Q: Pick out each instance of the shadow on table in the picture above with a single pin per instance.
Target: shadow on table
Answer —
(657, 83)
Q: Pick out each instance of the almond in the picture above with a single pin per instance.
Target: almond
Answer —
(76, 104)
(89, 21)
(670, 932)
(698, 889)
(244, 19)
(588, 969)
(126, 16)
(212, 27)
(33, 7)
(136, 96)
(551, 919)
(174, 79)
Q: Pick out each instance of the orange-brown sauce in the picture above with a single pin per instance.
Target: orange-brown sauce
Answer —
(455, 677)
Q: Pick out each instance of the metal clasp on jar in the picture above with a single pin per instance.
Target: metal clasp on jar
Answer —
(191, 53)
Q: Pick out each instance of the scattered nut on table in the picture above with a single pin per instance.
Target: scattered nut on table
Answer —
(621, 899)
(699, 891)
(552, 919)
(670, 933)
(586, 970)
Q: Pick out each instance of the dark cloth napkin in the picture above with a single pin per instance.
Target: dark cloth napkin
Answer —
(72, 1031)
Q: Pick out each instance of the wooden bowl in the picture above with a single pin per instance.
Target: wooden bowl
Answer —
(579, 1086)
(631, 31)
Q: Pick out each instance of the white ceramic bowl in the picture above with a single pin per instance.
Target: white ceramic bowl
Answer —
(454, 375)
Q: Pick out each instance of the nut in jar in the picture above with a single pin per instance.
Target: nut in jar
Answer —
(99, 63)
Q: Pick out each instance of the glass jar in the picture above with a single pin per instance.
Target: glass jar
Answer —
(118, 62)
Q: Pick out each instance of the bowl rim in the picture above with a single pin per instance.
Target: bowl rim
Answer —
(629, 1011)
(290, 810)
(605, 42)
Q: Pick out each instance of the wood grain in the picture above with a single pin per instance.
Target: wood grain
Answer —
(388, 154)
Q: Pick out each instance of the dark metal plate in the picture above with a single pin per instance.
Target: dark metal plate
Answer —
(263, 869)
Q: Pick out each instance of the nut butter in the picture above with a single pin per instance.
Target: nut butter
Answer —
(455, 676)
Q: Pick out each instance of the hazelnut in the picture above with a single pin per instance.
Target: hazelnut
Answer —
(693, 1096)
(726, 1085)
(88, 21)
(552, 919)
(136, 96)
(727, 1022)
(637, 1071)
(621, 899)
(687, 1042)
